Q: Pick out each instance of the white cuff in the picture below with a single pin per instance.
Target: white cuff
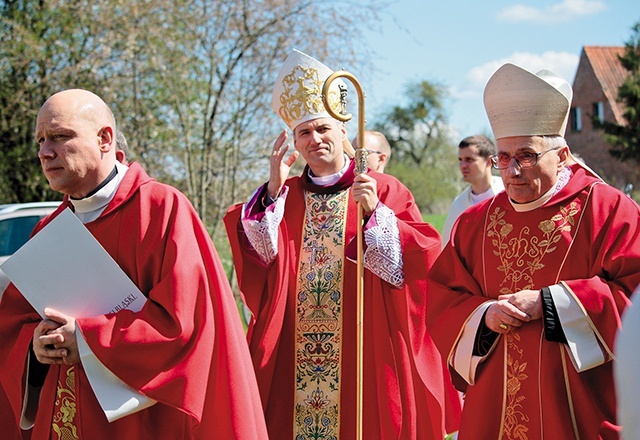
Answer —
(462, 359)
(24, 422)
(582, 343)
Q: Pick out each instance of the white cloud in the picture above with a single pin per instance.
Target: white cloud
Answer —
(556, 13)
(562, 63)
(517, 13)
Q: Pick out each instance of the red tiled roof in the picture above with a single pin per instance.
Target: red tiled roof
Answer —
(609, 72)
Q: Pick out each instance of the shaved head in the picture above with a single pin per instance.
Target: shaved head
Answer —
(76, 133)
(84, 104)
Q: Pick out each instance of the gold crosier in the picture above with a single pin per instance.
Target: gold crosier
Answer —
(361, 167)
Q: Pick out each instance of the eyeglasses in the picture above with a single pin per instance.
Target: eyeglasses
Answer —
(373, 151)
(524, 160)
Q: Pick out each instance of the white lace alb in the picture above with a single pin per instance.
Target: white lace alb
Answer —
(383, 255)
(263, 234)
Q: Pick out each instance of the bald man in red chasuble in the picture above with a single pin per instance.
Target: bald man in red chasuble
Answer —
(183, 355)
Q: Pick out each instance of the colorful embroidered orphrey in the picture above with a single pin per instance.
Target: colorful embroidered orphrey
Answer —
(319, 318)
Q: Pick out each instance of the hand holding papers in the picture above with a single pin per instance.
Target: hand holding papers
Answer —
(41, 271)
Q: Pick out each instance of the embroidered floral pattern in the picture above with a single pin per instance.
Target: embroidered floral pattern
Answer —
(515, 424)
(65, 408)
(522, 255)
(383, 255)
(318, 341)
(315, 419)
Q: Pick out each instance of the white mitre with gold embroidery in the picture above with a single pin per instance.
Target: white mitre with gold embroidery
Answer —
(297, 94)
(519, 103)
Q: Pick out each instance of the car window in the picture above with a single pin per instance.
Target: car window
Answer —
(14, 232)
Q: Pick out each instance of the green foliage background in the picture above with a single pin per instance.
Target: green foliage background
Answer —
(436, 220)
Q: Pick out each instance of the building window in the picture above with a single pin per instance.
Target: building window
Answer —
(598, 111)
(576, 119)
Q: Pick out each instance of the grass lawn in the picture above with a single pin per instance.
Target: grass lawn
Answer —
(436, 220)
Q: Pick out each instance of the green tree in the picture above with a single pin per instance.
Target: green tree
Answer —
(43, 47)
(189, 81)
(417, 127)
(212, 70)
(625, 138)
(423, 155)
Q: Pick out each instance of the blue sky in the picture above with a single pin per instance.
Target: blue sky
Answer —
(459, 44)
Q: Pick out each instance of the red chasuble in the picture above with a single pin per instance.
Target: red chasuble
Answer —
(404, 379)
(585, 237)
(186, 348)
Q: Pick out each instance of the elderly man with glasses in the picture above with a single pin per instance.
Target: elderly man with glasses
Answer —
(378, 149)
(525, 300)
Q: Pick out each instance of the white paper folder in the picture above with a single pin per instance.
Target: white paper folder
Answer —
(65, 268)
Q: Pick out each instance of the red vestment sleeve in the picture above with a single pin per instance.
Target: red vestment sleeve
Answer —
(16, 326)
(612, 263)
(420, 247)
(264, 292)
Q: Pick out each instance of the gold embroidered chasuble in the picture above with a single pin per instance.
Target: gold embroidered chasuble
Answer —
(526, 256)
(582, 244)
(318, 319)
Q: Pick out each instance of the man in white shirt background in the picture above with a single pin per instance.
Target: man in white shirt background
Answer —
(474, 158)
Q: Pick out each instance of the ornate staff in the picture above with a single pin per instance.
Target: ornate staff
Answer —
(361, 167)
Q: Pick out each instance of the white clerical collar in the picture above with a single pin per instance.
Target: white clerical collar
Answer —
(332, 178)
(90, 208)
(563, 179)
